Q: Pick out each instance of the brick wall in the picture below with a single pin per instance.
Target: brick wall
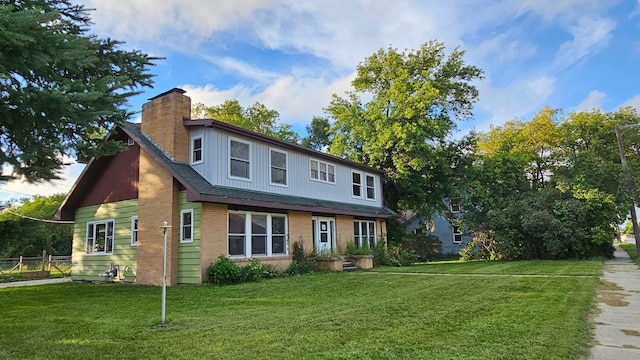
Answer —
(158, 202)
(344, 231)
(162, 122)
(300, 230)
(213, 234)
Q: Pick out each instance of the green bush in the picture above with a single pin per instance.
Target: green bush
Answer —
(380, 253)
(353, 250)
(253, 271)
(301, 263)
(224, 271)
(399, 256)
(426, 247)
(271, 272)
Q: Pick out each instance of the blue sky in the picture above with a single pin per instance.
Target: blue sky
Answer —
(292, 55)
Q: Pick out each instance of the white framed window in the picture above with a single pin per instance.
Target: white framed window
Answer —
(278, 164)
(322, 171)
(256, 234)
(370, 187)
(100, 237)
(356, 181)
(134, 230)
(364, 233)
(457, 235)
(186, 226)
(196, 150)
(239, 159)
(454, 205)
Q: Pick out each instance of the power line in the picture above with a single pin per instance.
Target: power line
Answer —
(41, 220)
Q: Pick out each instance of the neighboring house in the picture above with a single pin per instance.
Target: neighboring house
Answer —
(443, 227)
(223, 189)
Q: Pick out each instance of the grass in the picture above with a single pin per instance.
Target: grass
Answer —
(631, 250)
(317, 316)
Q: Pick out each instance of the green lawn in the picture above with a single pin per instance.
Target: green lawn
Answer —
(319, 316)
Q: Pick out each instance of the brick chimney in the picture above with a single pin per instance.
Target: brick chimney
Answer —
(162, 121)
(158, 194)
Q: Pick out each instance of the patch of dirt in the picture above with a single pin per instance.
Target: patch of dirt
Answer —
(631, 332)
(612, 299)
(608, 285)
(630, 347)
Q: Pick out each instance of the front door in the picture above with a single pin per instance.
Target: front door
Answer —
(323, 235)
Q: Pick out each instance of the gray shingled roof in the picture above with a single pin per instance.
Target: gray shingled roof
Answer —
(200, 190)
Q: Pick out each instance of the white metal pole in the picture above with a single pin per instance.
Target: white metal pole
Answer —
(165, 226)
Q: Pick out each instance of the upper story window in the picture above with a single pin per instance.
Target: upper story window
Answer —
(356, 179)
(457, 235)
(239, 159)
(186, 226)
(454, 204)
(322, 171)
(196, 150)
(278, 160)
(134, 230)
(100, 237)
(371, 189)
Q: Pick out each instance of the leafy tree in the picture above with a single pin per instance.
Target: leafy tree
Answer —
(61, 88)
(318, 133)
(20, 236)
(416, 97)
(256, 117)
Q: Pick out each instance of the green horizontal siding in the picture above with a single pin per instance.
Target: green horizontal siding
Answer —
(89, 267)
(189, 253)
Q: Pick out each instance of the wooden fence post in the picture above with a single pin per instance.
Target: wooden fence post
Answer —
(20, 264)
(49, 267)
(44, 257)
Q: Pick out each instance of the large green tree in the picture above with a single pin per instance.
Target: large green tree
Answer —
(551, 187)
(256, 117)
(413, 101)
(61, 88)
(25, 230)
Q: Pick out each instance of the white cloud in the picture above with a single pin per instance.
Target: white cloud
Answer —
(589, 35)
(633, 102)
(517, 100)
(17, 189)
(296, 99)
(592, 101)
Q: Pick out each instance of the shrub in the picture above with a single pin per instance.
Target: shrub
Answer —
(399, 256)
(224, 271)
(301, 263)
(425, 246)
(270, 272)
(353, 250)
(253, 271)
(380, 253)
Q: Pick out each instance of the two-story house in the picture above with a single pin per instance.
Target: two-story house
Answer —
(224, 190)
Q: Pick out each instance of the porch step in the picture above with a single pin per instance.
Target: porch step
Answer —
(348, 266)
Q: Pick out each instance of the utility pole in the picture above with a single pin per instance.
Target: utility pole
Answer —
(625, 169)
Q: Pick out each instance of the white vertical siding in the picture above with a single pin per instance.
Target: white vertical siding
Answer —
(215, 169)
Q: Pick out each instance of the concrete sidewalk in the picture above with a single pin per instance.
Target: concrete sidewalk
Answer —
(617, 322)
(34, 282)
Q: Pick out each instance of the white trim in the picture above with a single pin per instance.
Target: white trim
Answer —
(454, 228)
(182, 213)
(286, 167)
(113, 236)
(229, 159)
(317, 233)
(457, 205)
(134, 230)
(269, 234)
(366, 236)
(353, 195)
(327, 166)
(192, 150)
(366, 187)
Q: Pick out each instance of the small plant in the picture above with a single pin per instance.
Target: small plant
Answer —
(224, 271)
(380, 253)
(253, 271)
(301, 263)
(399, 256)
(362, 250)
(271, 272)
